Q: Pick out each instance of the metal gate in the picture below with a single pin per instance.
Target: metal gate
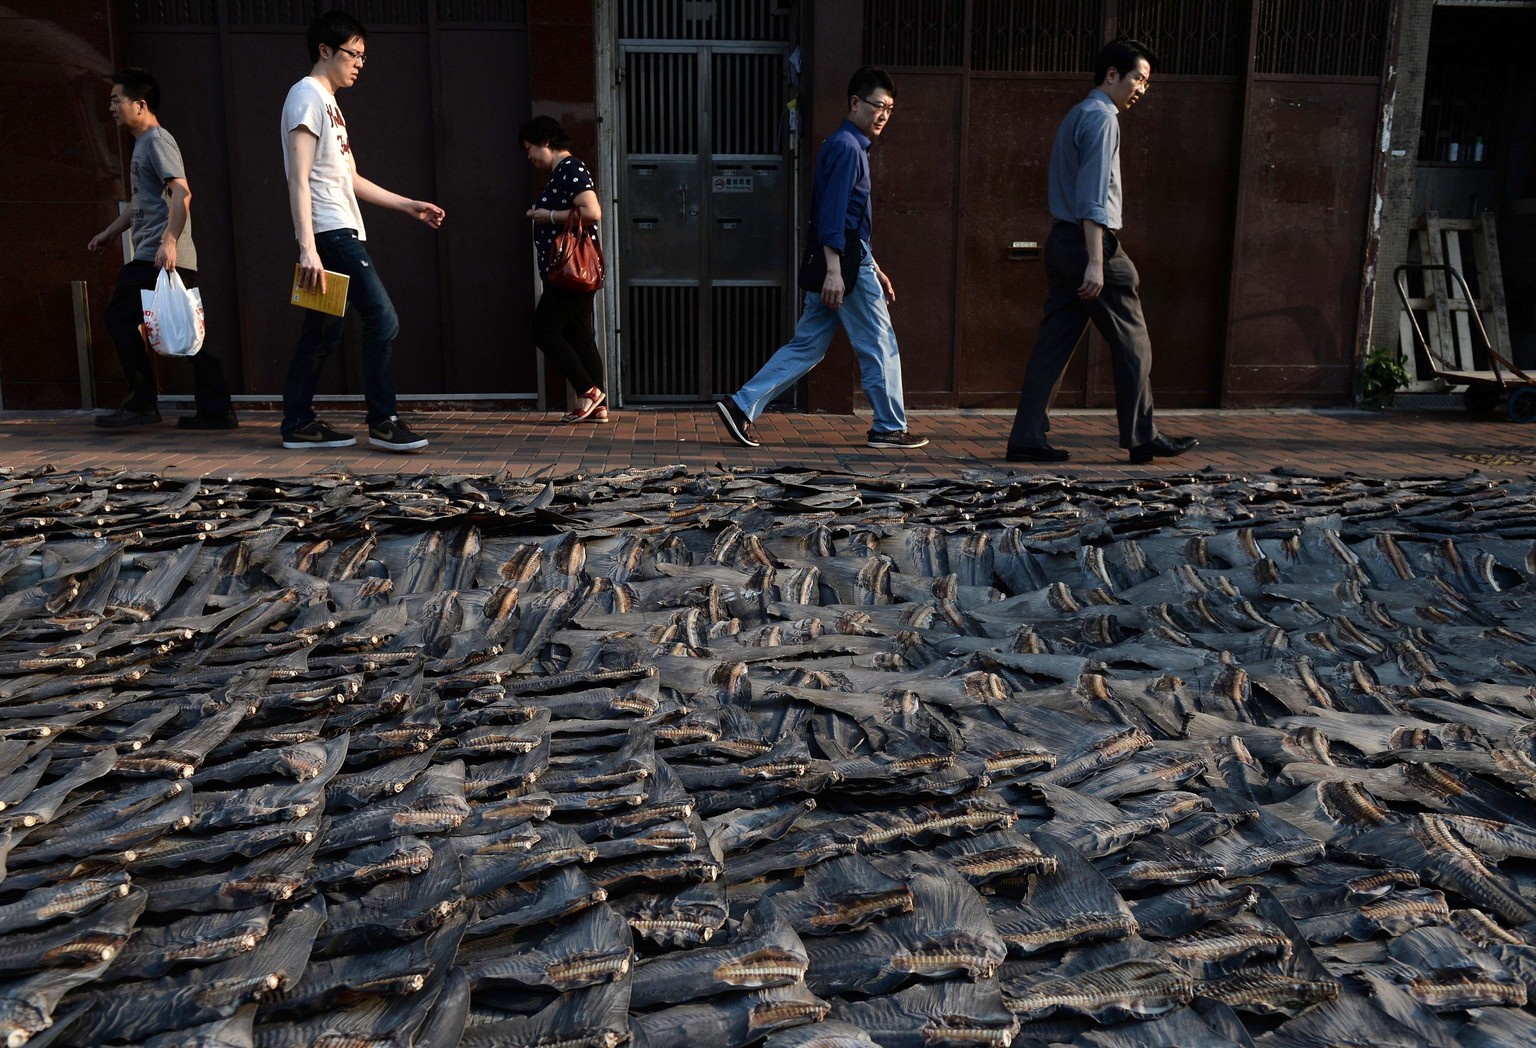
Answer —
(707, 196)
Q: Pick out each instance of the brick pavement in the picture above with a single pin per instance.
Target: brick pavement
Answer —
(1376, 444)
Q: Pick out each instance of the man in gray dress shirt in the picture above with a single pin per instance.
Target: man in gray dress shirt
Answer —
(1089, 275)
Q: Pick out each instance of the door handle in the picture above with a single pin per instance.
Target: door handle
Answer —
(682, 200)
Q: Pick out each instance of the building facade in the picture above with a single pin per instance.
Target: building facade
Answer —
(1272, 175)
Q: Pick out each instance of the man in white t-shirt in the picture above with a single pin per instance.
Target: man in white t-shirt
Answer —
(323, 190)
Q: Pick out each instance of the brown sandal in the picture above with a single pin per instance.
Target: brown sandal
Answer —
(591, 399)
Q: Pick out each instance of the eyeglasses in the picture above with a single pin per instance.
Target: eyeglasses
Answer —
(880, 107)
(357, 56)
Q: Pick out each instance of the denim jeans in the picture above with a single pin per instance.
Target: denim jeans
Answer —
(868, 323)
(341, 252)
(124, 314)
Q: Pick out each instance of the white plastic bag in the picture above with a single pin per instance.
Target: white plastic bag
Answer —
(173, 316)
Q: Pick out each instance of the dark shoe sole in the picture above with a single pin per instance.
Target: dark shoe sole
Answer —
(876, 442)
(299, 445)
(414, 445)
(733, 429)
(1038, 455)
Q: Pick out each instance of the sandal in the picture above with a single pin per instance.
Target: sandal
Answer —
(590, 400)
(599, 414)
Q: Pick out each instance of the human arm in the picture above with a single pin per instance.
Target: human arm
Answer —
(119, 225)
(302, 143)
(175, 223)
(585, 204)
(1093, 276)
(1097, 138)
(837, 169)
(370, 193)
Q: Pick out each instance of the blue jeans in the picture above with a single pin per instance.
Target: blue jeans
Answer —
(868, 323)
(341, 252)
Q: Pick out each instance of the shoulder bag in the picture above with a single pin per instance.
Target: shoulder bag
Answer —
(575, 259)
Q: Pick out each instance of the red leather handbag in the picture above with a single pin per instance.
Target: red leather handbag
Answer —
(575, 260)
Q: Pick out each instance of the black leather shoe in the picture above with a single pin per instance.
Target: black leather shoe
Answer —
(1040, 454)
(1161, 447)
(122, 418)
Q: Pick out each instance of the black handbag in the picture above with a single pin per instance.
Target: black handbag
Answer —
(813, 261)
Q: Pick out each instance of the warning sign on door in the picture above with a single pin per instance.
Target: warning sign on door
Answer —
(732, 184)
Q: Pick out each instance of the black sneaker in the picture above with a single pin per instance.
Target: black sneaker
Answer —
(316, 434)
(737, 424)
(222, 420)
(394, 435)
(122, 418)
(900, 439)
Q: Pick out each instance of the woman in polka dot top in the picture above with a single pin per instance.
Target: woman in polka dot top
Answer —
(562, 321)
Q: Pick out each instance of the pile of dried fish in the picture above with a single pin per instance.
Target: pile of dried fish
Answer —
(802, 759)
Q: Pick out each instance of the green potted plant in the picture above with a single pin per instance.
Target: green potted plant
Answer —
(1382, 375)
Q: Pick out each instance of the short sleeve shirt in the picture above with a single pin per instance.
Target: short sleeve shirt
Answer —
(157, 160)
(333, 203)
(568, 181)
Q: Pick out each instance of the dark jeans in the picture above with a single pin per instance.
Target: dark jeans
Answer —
(341, 252)
(1117, 315)
(562, 328)
(125, 312)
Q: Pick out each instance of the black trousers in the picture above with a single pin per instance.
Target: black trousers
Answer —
(562, 328)
(124, 314)
(1117, 315)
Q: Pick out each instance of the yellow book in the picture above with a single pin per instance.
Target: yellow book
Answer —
(334, 301)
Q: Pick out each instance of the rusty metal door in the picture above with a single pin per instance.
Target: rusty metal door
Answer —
(707, 198)
(420, 124)
(1304, 208)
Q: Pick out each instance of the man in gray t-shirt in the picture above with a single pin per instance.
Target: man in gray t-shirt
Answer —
(161, 223)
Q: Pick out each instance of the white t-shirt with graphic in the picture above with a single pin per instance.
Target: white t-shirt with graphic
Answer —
(333, 203)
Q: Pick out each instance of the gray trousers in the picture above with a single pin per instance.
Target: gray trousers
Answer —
(1117, 315)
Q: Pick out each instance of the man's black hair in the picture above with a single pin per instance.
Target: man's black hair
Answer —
(1121, 55)
(545, 131)
(140, 86)
(868, 79)
(333, 29)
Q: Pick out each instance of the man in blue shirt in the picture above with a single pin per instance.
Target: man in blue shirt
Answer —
(840, 209)
(1089, 276)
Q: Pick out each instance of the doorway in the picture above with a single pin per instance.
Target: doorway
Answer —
(707, 195)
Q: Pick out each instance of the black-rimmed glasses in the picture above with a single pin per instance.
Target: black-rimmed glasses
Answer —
(880, 107)
(357, 56)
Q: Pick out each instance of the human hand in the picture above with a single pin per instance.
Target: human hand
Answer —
(431, 214)
(311, 271)
(165, 258)
(99, 241)
(886, 286)
(832, 290)
(1093, 282)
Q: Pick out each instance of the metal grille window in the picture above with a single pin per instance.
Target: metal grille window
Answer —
(659, 114)
(747, 90)
(740, 20)
(914, 32)
(482, 10)
(300, 12)
(746, 322)
(173, 12)
(657, 320)
(1189, 37)
(1049, 36)
(1322, 37)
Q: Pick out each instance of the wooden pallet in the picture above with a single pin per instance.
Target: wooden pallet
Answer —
(1447, 326)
